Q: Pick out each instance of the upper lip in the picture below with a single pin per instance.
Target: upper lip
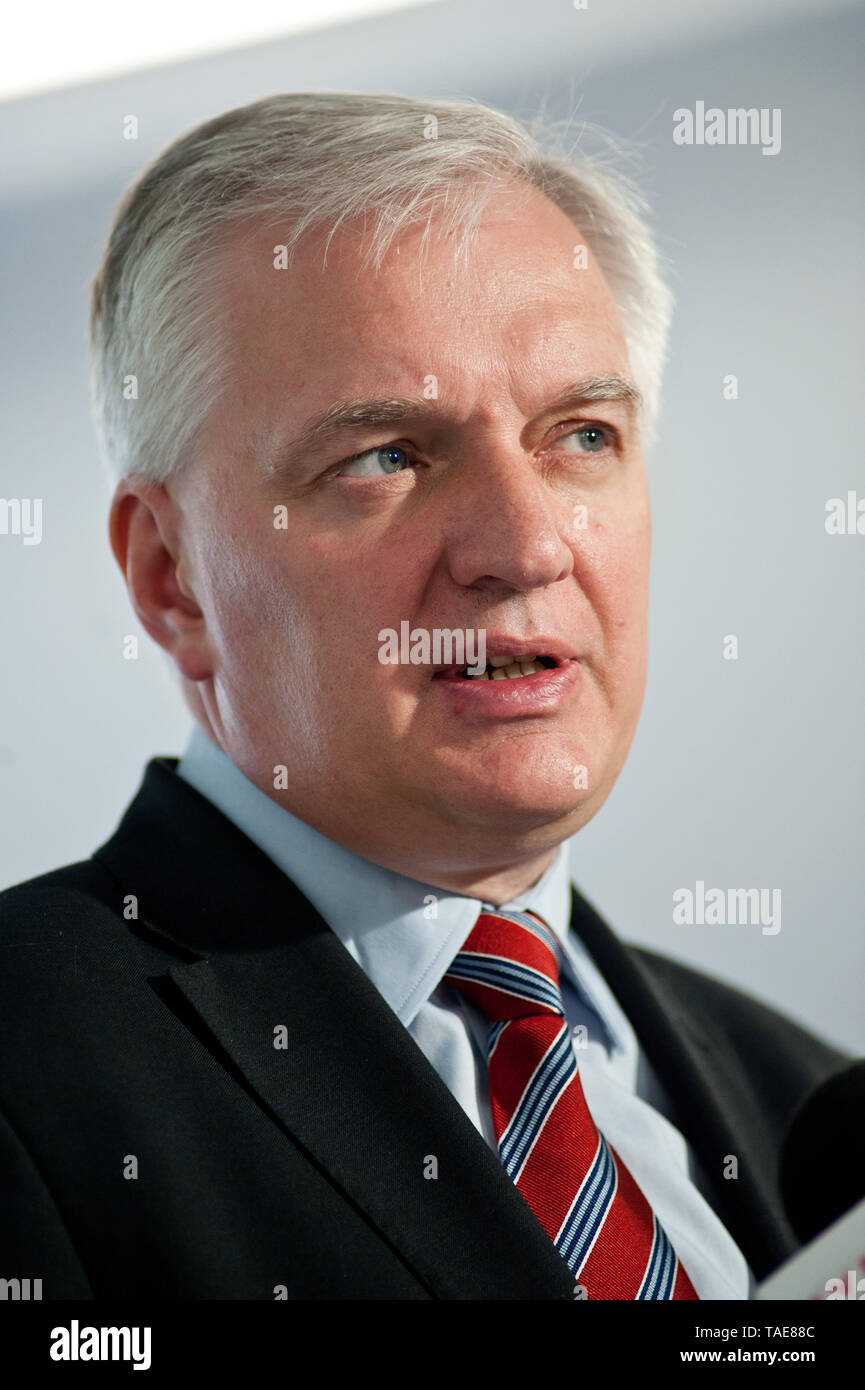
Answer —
(521, 649)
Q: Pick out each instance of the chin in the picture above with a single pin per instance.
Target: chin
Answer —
(519, 788)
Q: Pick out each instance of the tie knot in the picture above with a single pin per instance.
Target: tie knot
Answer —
(508, 967)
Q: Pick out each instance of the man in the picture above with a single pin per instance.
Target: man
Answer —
(325, 1018)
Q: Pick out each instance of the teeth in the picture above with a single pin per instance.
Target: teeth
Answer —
(508, 668)
(509, 660)
(514, 671)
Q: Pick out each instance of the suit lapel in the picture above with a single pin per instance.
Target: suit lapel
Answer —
(346, 1082)
(352, 1088)
(692, 1062)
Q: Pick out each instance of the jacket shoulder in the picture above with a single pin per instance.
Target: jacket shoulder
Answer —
(751, 1028)
(74, 896)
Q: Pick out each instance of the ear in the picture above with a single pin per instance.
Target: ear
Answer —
(144, 530)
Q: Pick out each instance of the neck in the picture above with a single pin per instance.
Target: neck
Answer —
(497, 886)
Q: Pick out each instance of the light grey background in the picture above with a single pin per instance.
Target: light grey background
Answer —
(743, 774)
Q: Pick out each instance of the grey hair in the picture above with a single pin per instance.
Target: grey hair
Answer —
(313, 161)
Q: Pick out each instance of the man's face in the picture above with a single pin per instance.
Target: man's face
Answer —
(497, 504)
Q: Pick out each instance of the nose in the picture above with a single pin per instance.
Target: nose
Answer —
(505, 524)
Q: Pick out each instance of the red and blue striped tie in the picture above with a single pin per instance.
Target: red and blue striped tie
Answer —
(574, 1181)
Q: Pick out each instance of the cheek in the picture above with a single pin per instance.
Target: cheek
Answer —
(628, 582)
(618, 588)
(256, 604)
(357, 590)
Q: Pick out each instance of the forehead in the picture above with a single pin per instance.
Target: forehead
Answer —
(513, 312)
(525, 249)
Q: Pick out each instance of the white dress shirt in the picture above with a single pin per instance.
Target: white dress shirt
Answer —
(404, 935)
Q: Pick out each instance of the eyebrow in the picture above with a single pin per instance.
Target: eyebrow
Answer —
(369, 412)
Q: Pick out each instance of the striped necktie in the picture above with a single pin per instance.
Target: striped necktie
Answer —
(575, 1183)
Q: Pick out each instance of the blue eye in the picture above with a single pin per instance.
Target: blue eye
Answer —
(389, 457)
(592, 438)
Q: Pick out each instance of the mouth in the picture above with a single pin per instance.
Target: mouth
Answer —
(533, 679)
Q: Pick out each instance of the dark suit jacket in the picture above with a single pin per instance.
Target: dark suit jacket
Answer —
(146, 1043)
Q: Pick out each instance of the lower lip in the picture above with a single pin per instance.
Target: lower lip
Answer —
(541, 693)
